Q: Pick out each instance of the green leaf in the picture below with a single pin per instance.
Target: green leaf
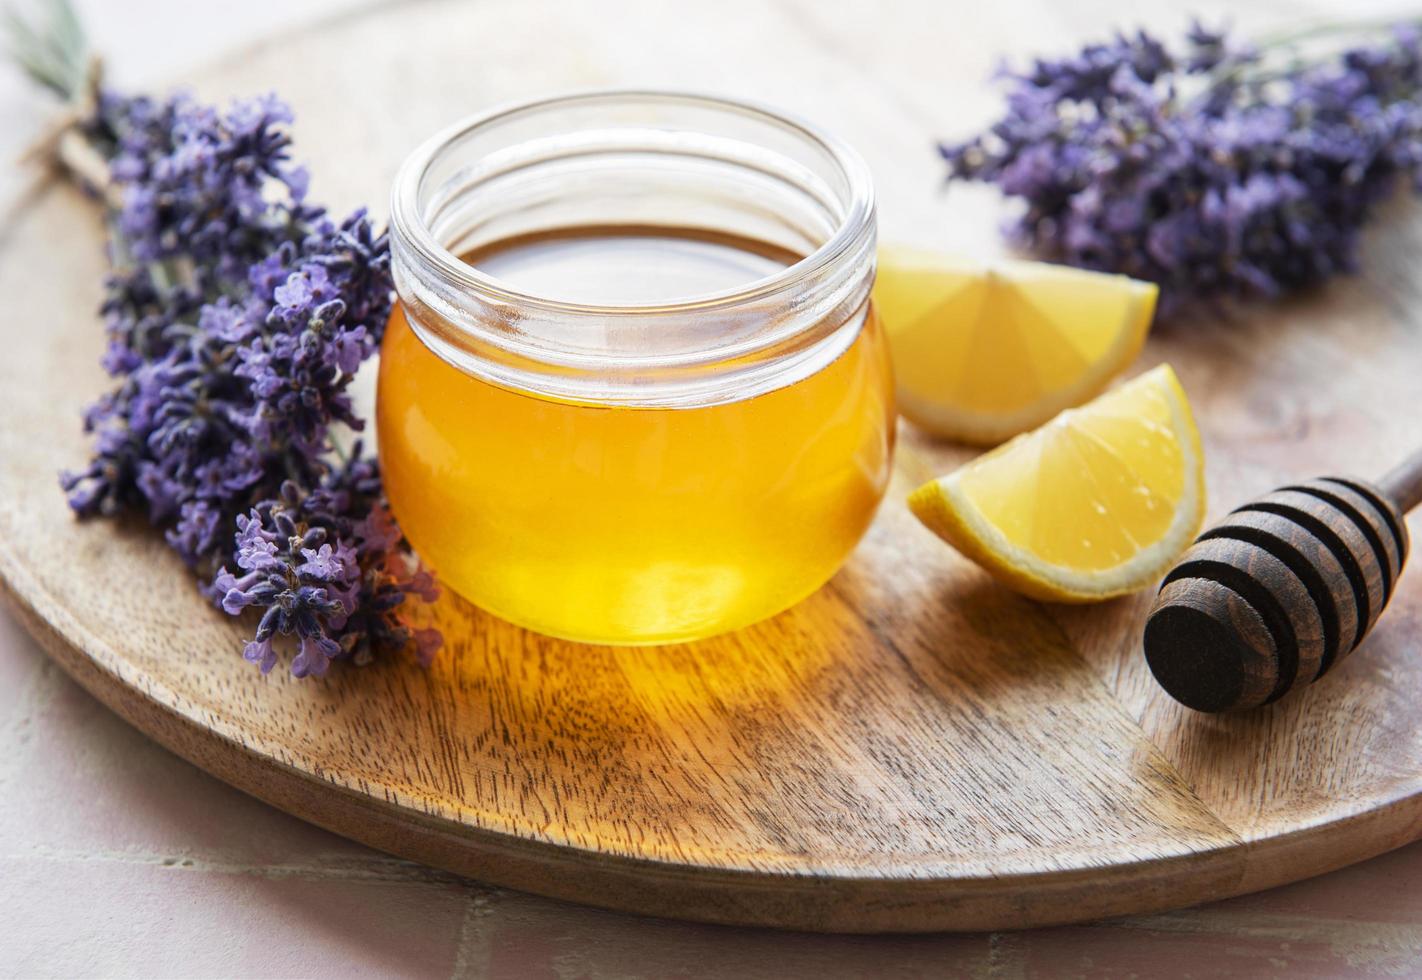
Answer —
(56, 54)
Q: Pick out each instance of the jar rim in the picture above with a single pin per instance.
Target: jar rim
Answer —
(409, 224)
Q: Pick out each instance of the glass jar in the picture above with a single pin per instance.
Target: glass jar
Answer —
(634, 390)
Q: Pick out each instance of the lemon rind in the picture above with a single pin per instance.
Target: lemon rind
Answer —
(945, 509)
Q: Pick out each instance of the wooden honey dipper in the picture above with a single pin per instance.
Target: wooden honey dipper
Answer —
(1281, 590)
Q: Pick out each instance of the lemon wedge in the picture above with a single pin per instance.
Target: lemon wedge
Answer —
(1096, 503)
(982, 352)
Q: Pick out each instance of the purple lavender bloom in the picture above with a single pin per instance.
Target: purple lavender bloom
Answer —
(1198, 167)
(261, 653)
(307, 564)
(315, 656)
(198, 532)
(237, 315)
(428, 642)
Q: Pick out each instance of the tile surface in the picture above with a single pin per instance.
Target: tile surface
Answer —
(119, 859)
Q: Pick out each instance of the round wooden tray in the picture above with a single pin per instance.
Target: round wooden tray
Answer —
(912, 748)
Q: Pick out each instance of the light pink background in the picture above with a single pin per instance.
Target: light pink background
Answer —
(119, 859)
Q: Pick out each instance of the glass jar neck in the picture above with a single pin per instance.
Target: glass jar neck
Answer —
(650, 160)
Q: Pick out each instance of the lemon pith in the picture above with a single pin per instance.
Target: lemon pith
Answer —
(1096, 503)
(984, 352)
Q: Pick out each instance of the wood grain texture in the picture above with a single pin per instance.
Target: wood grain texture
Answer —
(912, 748)
(1403, 483)
(1317, 567)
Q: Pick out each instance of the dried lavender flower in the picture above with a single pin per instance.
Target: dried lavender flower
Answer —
(1214, 168)
(237, 315)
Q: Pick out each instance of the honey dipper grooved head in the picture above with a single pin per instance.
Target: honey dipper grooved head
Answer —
(1276, 594)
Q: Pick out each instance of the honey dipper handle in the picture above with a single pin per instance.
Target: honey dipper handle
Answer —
(1403, 483)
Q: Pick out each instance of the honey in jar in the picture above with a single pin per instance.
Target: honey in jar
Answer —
(631, 431)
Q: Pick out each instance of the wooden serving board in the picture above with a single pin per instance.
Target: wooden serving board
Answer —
(913, 747)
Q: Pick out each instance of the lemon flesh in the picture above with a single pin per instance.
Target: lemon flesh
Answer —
(1098, 502)
(984, 352)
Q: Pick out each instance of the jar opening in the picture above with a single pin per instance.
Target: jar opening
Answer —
(629, 266)
(633, 159)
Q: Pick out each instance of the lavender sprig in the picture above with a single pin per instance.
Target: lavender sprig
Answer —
(324, 577)
(1214, 168)
(237, 315)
